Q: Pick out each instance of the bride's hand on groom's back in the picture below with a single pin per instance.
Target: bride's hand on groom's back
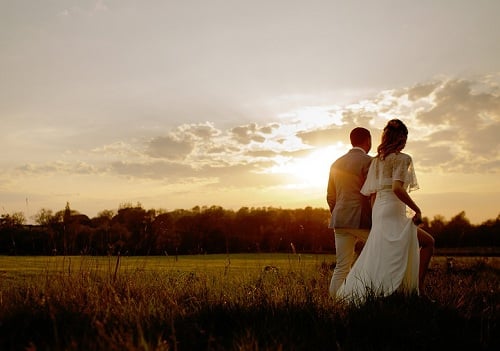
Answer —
(417, 219)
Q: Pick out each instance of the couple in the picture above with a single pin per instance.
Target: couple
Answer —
(366, 192)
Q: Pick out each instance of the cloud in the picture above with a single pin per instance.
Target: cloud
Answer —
(171, 171)
(169, 147)
(428, 155)
(198, 131)
(221, 149)
(421, 90)
(454, 123)
(463, 122)
(454, 127)
(262, 153)
(251, 132)
(269, 128)
(119, 149)
(57, 167)
(243, 175)
(324, 137)
(456, 102)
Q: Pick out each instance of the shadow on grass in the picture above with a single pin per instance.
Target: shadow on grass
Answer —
(393, 323)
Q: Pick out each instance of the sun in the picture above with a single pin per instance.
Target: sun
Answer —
(312, 170)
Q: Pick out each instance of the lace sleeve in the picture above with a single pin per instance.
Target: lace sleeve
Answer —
(372, 183)
(404, 171)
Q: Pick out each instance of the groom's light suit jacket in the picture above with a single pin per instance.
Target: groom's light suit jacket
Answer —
(349, 208)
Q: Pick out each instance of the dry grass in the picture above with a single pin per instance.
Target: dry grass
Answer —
(241, 302)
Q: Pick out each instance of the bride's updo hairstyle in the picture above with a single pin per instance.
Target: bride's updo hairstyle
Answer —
(393, 138)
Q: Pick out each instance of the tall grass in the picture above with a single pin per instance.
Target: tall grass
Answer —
(237, 303)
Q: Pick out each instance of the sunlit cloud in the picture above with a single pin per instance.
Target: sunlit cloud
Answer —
(453, 128)
(454, 125)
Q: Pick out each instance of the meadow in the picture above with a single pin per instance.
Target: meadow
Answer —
(236, 302)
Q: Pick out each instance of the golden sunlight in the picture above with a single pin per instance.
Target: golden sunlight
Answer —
(311, 171)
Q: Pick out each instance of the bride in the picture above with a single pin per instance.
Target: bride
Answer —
(391, 258)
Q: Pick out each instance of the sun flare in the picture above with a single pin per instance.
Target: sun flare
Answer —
(312, 170)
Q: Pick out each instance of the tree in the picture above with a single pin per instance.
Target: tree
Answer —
(15, 219)
(44, 217)
(10, 226)
(457, 229)
(167, 239)
(101, 240)
(436, 228)
(135, 231)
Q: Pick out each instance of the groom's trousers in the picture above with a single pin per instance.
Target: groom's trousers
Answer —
(345, 243)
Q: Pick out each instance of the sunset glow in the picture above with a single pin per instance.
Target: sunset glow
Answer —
(310, 171)
(176, 104)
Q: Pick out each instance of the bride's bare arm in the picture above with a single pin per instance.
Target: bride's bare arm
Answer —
(372, 199)
(400, 192)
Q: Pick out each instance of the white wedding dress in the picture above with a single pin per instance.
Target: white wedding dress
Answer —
(389, 260)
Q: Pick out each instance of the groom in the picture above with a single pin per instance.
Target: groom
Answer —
(351, 211)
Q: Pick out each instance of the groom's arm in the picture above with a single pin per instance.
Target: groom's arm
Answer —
(331, 192)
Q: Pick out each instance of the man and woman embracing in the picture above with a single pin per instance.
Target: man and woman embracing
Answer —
(367, 198)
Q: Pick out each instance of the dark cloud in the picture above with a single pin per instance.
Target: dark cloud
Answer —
(352, 117)
(456, 103)
(199, 131)
(221, 149)
(454, 126)
(357, 117)
(421, 90)
(335, 134)
(325, 137)
(251, 132)
(269, 128)
(181, 141)
(466, 116)
(258, 138)
(168, 147)
(452, 151)
(243, 134)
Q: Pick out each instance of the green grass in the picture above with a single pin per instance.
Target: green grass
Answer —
(235, 302)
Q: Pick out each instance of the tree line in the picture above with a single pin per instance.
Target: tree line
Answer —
(133, 230)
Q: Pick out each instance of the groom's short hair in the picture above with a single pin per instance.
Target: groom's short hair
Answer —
(359, 135)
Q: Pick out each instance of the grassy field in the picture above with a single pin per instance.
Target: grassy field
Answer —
(236, 302)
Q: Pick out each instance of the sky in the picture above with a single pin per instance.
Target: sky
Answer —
(176, 104)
